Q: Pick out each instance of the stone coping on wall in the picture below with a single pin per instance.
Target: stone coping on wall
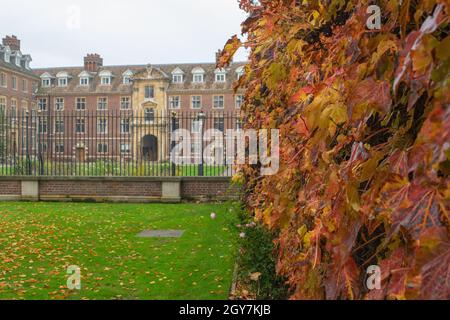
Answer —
(117, 189)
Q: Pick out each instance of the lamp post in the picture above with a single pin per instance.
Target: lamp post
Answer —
(173, 142)
(201, 118)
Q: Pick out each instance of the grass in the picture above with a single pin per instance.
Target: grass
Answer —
(109, 168)
(38, 241)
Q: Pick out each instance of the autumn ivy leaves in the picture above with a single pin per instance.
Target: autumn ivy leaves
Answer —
(365, 153)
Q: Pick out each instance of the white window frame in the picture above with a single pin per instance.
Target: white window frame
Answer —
(177, 78)
(192, 102)
(201, 78)
(62, 82)
(173, 99)
(46, 82)
(101, 125)
(221, 77)
(59, 104)
(3, 80)
(82, 79)
(105, 81)
(104, 101)
(236, 100)
(123, 101)
(82, 101)
(214, 101)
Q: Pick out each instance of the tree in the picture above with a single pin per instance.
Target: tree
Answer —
(365, 160)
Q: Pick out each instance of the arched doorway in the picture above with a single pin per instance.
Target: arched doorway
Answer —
(150, 148)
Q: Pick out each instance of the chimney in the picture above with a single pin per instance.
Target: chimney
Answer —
(12, 42)
(218, 54)
(92, 62)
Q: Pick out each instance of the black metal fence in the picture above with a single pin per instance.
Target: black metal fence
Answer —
(114, 143)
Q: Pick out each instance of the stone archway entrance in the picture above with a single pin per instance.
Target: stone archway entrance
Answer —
(150, 148)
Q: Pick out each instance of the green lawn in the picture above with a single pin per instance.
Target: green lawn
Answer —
(38, 241)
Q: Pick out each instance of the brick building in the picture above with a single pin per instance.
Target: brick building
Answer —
(17, 86)
(150, 93)
(97, 111)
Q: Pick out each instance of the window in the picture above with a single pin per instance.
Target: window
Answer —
(149, 92)
(125, 103)
(125, 125)
(14, 82)
(174, 102)
(198, 78)
(80, 104)
(3, 81)
(42, 147)
(62, 82)
(220, 77)
(126, 77)
(2, 104)
(198, 75)
(126, 80)
(42, 126)
(177, 78)
(105, 81)
(196, 148)
(149, 115)
(125, 148)
(102, 148)
(239, 101)
(59, 125)
(196, 102)
(239, 124)
(219, 124)
(196, 125)
(14, 108)
(84, 81)
(59, 104)
(42, 104)
(46, 82)
(102, 104)
(80, 125)
(240, 72)
(102, 126)
(24, 85)
(59, 147)
(218, 102)
(24, 105)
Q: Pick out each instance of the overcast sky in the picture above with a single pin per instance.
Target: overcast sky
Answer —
(60, 33)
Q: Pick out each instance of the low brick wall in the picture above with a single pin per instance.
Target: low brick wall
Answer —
(102, 189)
(213, 189)
(10, 188)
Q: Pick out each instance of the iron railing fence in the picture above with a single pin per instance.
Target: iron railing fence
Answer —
(115, 143)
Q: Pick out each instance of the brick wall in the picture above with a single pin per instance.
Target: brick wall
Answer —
(118, 189)
(208, 189)
(10, 188)
(100, 188)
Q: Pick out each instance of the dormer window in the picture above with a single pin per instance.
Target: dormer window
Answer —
(240, 72)
(7, 54)
(221, 75)
(127, 77)
(105, 78)
(198, 75)
(18, 58)
(85, 78)
(62, 82)
(46, 79)
(177, 76)
(63, 79)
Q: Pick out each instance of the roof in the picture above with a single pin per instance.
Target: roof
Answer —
(117, 72)
(12, 66)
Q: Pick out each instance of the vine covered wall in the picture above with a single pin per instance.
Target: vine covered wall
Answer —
(364, 126)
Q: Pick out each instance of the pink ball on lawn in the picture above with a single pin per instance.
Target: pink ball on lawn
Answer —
(213, 216)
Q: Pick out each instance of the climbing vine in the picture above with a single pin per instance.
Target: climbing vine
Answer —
(364, 126)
